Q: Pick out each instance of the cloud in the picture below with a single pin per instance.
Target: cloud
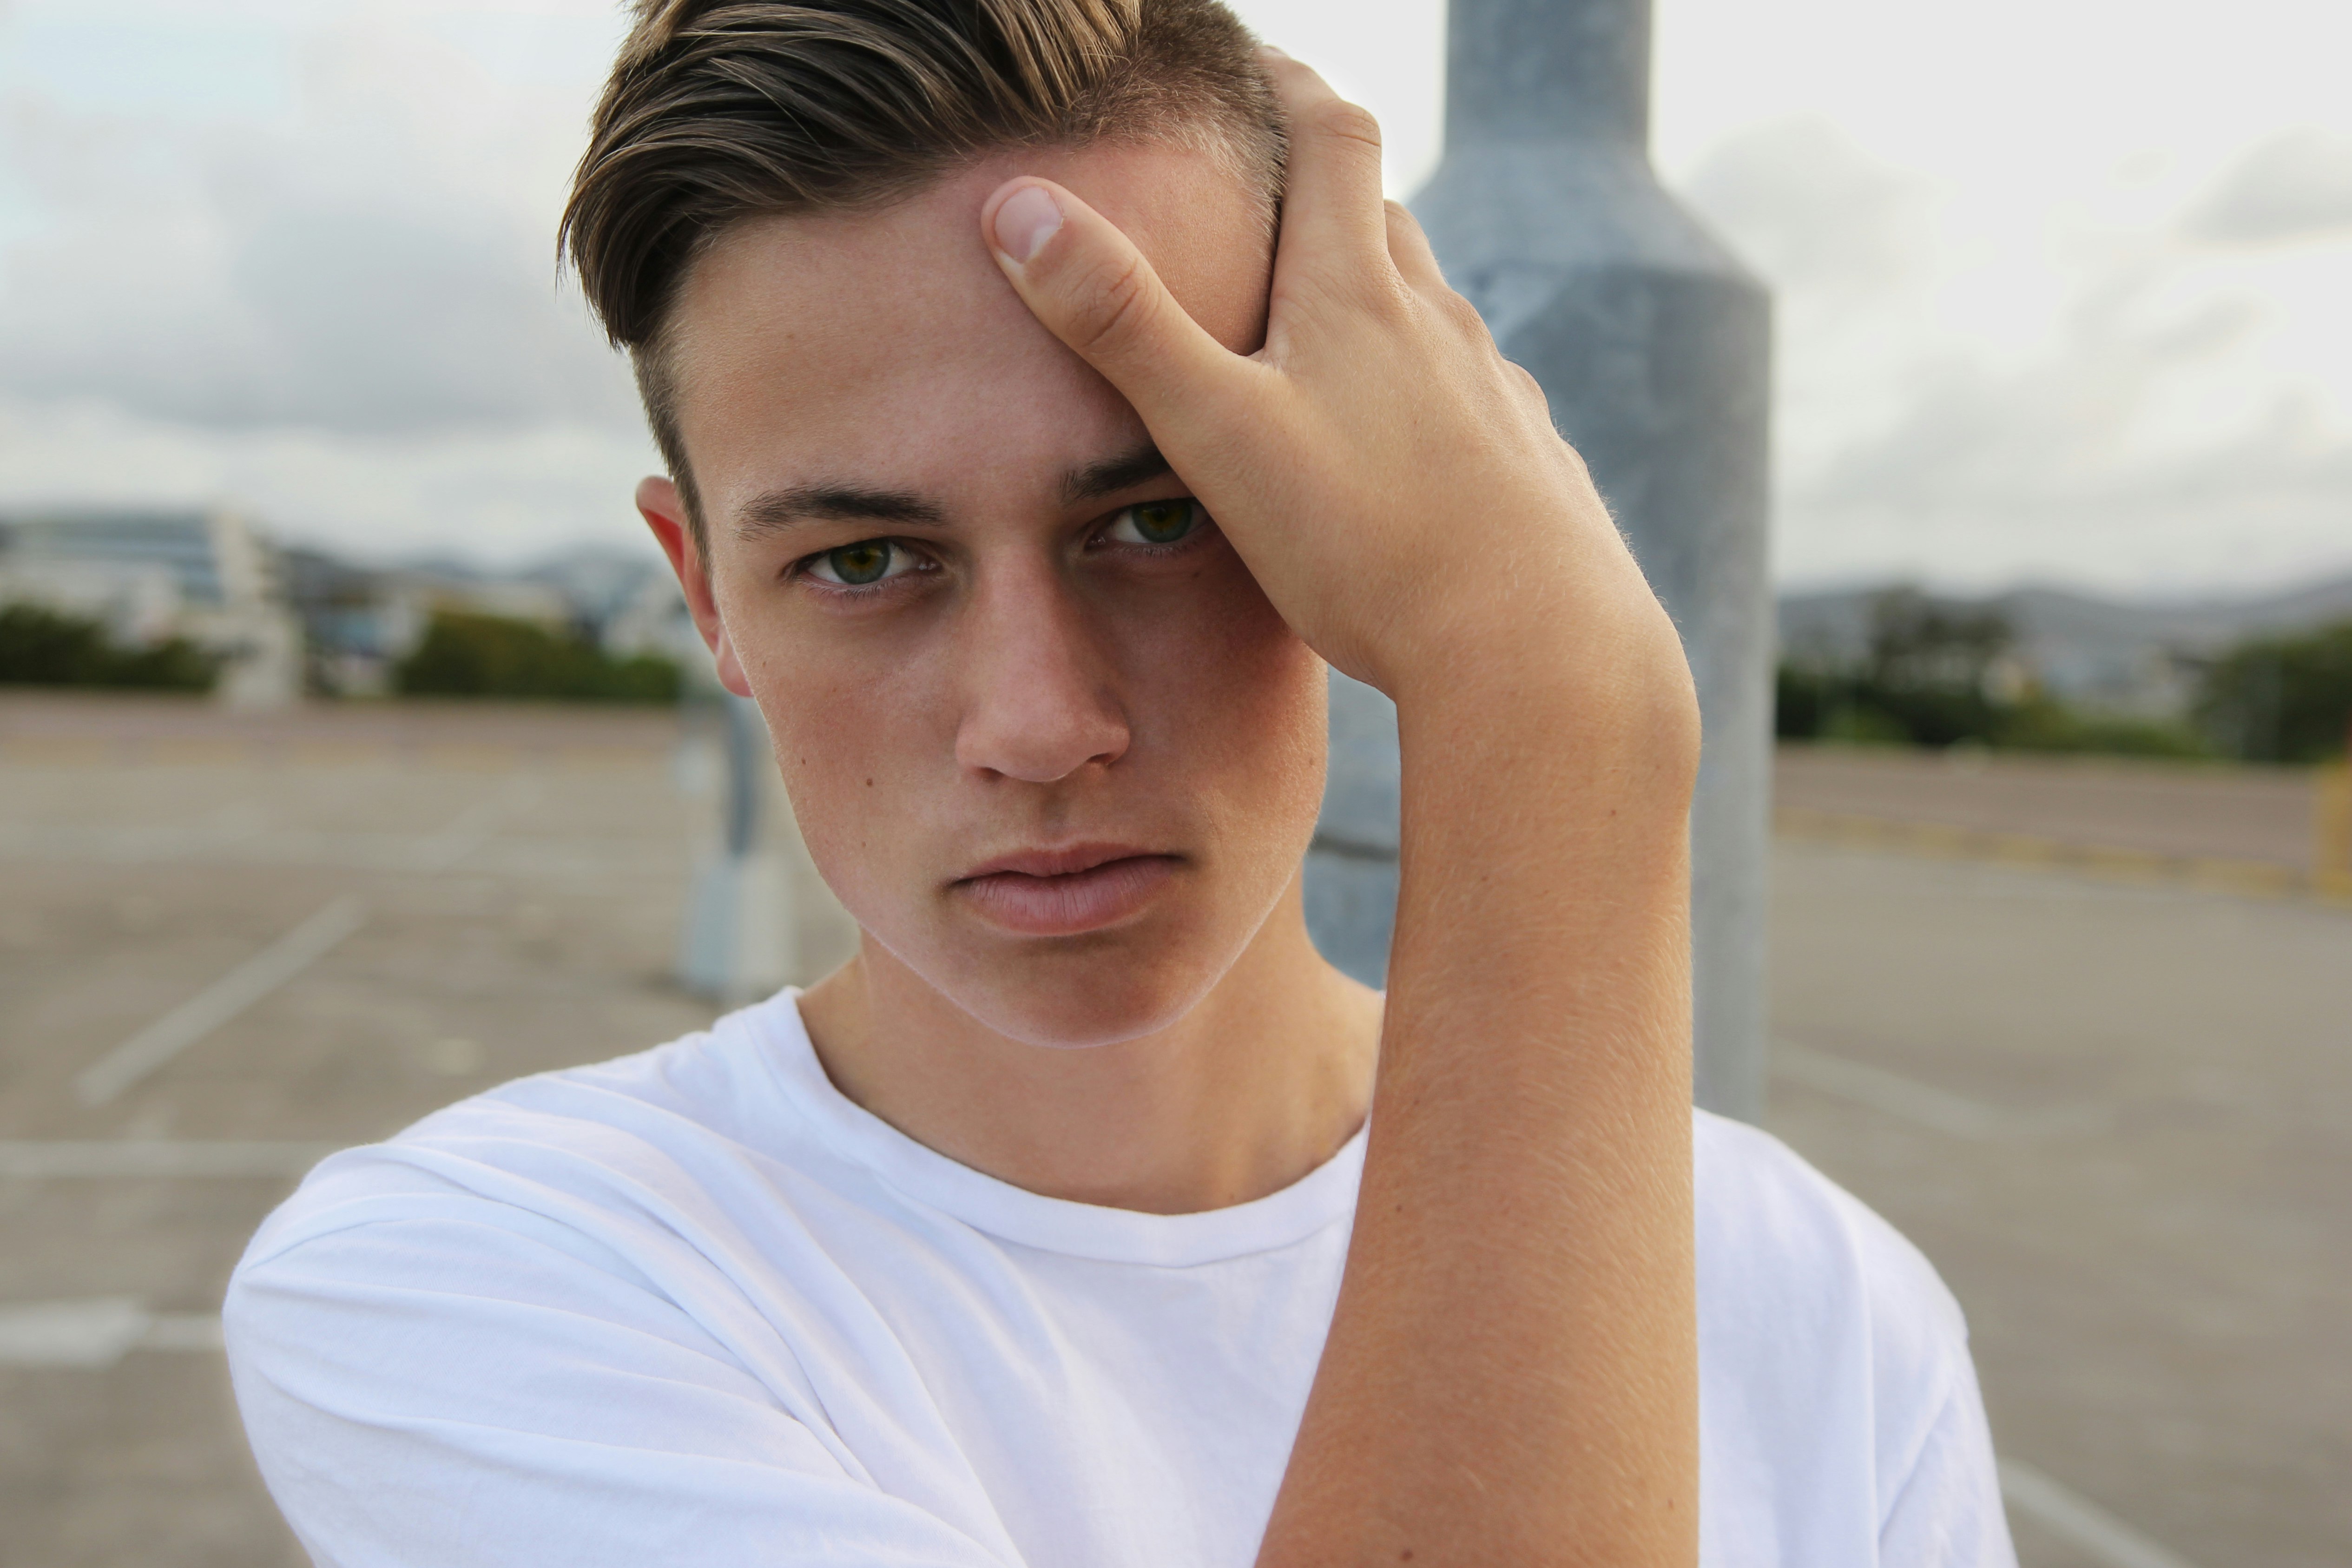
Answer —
(1985, 481)
(1810, 209)
(2121, 457)
(486, 494)
(2296, 185)
(325, 290)
(321, 283)
(379, 261)
(2167, 421)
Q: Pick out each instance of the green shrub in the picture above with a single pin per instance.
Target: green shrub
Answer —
(1926, 679)
(41, 647)
(1922, 681)
(2280, 699)
(467, 655)
(2041, 725)
(1861, 724)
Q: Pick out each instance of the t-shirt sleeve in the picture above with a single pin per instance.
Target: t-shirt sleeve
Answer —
(1841, 1424)
(434, 1390)
(1947, 1513)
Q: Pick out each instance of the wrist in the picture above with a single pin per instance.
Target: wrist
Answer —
(1612, 691)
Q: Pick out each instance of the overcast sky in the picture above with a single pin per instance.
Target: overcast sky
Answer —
(2064, 286)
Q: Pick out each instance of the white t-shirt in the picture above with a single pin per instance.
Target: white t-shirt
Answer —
(693, 1308)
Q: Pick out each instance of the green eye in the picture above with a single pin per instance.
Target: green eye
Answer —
(868, 561)
(1163, 521)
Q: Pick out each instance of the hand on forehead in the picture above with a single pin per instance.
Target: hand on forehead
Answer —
(892, 338)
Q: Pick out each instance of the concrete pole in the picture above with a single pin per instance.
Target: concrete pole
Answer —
(1654, 345)
(737, 946)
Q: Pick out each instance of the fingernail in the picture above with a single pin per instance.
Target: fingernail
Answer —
(1268, 52)
(1026, 220)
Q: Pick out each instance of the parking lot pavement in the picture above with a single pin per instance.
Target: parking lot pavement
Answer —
(481, 900)
(2115, 1115)
(2118, 1119)
(2158, 811)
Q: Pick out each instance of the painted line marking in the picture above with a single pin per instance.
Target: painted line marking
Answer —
(232, 994)
(96, 1333)
(2064, 1512)
(470, 829)
(2262, 880)
(28, 1160)
(367, 853)
(250, 840)
(1924, 1104)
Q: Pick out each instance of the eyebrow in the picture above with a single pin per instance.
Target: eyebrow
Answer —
(779, 511)
(1112, 475)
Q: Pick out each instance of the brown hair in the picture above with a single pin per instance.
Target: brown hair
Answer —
(719, 110)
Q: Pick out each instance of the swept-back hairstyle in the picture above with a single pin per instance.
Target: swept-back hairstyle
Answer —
(719, 110)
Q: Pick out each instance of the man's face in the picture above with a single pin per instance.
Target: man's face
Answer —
(1044, 737)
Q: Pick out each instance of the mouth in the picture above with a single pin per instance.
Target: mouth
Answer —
(1065, 893)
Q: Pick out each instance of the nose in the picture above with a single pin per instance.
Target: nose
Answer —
(1041, 699)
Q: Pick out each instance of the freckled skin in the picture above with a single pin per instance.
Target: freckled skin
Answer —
(1035, 688)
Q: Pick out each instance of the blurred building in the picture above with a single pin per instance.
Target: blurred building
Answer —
(654, 619)
(360, 621)
(148, 576)
(287, 620)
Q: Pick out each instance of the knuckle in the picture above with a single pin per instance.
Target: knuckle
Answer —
(1462, 314)
(1344, 121)
(1383, 295)
(1113, 306)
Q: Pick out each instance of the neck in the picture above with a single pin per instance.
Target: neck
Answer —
(1253, 1088)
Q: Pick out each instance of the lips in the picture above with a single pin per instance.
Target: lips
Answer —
(1063, 892)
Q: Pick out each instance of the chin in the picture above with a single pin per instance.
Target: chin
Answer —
(1077, 993)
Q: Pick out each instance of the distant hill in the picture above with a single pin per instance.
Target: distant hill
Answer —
(2119, 655)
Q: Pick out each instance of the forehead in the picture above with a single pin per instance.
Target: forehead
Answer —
(887, 347)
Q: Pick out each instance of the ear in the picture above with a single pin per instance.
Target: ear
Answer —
(664, 511)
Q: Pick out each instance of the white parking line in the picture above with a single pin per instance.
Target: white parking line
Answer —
(2064, 1512)
(232, 994)
(96, 1333)
(1924, 1104)
(31, 1160)
(260, 842)
(472, 828)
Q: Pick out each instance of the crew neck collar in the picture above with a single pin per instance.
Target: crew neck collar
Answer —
(1325, 1197)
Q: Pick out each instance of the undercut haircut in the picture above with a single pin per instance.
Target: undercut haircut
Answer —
(724, 111)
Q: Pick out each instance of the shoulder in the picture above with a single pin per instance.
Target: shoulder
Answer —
(628, 1144)
(547, 1264)
(1834, 1361)
(1780, 1244)
(549, 1323)
(638, 1188)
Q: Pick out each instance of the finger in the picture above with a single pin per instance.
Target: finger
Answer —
(1409, 248)
(1331, 185)
(1093, 290)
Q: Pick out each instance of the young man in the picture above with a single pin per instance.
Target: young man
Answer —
(1027, 485)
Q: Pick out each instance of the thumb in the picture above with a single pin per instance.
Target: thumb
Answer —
(1093, 290)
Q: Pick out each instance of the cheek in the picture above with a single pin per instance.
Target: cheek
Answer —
(854, 739)
(1225, 687)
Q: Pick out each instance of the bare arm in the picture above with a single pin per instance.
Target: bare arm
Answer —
(1511, 1376)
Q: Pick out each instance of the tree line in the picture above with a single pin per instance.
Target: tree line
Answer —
(461, 654)
(1930, 674)
(1934, 674)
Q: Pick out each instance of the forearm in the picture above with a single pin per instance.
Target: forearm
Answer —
(1511, 1374)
